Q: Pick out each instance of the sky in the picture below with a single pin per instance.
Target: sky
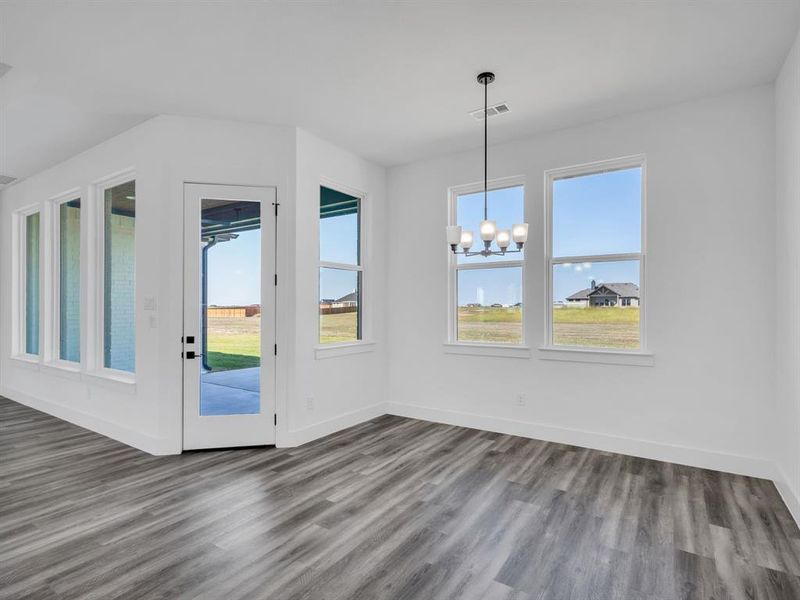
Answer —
(234, 271)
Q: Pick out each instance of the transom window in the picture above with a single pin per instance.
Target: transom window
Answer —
(341, 271)
(487, 301)
(596, 255)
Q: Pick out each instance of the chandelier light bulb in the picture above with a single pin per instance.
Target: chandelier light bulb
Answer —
(454, 235)
(466, 240)
(488, 230)
(503, 238)
(520, 233)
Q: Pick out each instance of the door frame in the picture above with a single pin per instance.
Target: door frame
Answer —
(271, 405)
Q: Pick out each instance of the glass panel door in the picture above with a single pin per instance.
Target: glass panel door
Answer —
(229, 316)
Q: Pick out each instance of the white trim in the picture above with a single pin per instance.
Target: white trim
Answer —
(62, 368)
(115, 431)
(343, 349)
(29, 361)
(95, 362)
(694, 457)
(593, 168)
(453, 266)
(118, 380)
(298, 437)
(499, 350)
(597, 355)
(790, 497)
(365, 304)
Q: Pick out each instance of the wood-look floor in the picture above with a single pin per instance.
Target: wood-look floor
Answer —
(393, 508)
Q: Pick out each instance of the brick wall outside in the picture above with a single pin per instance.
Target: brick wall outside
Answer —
(119, 296)
(70, 282)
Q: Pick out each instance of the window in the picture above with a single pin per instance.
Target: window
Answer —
(119, 276)
(486, 306)
(341, 271)
(30, 283)
(596, 255)
(69, 280)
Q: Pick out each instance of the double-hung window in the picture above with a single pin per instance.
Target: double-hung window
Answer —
(341, 271)
(596, 255)
(486, 302)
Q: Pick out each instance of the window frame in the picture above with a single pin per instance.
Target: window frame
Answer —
(97, 353)
(456, 346)
(585, 169)
(53, 358)
(364, 343)
(19, 349)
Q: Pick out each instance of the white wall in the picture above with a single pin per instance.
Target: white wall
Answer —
(787, 96)
(344, 388)
(711, 227)
(165, 151)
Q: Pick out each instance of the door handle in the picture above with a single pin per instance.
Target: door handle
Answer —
(192, 354)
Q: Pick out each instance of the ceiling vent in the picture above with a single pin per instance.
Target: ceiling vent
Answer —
(5, 179)
(492, 111)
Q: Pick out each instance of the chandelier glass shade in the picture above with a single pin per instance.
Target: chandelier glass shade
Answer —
(461, 240)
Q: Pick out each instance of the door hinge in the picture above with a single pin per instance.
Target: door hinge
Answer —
(276, 279)
(276, 418)
(276, 349)
(276, 205)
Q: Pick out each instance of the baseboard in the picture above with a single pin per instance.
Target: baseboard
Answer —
(318, 430)
(115, 431)
(694, 457)
(790, 496)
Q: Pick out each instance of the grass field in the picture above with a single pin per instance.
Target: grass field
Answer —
(612, 327)
(234, 343)
(338, 328)
(487, 324)
(594, 327)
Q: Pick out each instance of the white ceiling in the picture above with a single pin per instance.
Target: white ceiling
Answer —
(392, 82)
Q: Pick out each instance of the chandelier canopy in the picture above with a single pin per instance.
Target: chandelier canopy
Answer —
(456, 237)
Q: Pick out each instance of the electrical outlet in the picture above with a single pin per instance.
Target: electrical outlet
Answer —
(520, 401)
(310, 403)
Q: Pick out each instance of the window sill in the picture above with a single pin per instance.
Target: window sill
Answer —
(605, 357)
(27, 361)
(499, 350)
(117, 380)
(63, 369)
(346, 349)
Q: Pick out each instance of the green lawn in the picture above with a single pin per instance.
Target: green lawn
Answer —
(234, 343)
(338, 328)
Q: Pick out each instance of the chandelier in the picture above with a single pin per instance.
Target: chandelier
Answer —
(488, 228)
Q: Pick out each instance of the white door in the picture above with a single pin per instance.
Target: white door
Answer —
(229, 316)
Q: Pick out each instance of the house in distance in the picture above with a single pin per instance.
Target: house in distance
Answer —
(606, 294)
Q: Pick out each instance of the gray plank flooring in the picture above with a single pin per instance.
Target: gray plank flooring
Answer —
(393, 508)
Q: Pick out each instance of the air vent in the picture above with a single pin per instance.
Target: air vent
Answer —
(5, 179)
(492, 111)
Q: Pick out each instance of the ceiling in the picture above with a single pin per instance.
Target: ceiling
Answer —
(392, 82)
